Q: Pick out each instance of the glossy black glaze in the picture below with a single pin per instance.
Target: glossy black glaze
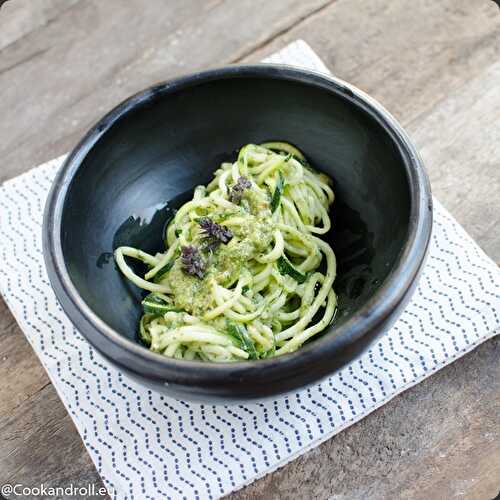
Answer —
(155, 147)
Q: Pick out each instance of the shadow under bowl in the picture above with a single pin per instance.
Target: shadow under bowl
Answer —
(142, 160)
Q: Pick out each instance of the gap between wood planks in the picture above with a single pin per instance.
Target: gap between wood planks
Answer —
(24, 60)
(35, 27)
(283, 31)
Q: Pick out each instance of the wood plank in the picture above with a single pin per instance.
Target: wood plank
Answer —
(95, 54)
(41, 445)
(24, 17)
(458, 141)
(21, 373)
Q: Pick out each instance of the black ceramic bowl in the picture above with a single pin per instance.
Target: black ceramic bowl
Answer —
(156, 146)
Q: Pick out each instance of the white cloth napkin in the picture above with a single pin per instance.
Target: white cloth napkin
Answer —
(146, 445)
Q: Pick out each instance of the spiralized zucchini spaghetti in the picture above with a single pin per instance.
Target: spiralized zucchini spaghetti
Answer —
(245, 274)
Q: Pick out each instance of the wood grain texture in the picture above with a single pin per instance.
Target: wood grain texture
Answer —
(21, 373)
(463, 158)
(63, 63)
(25, 17)
(41, 445)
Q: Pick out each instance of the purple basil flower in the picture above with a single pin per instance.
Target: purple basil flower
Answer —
(237, 190)
(214, 234)
(192, 261)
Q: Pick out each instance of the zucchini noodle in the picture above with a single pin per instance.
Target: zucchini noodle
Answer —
(244, 274)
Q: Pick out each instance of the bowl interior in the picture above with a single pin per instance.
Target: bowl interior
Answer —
(148, 162)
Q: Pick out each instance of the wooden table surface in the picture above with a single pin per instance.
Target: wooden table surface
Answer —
(434, 64)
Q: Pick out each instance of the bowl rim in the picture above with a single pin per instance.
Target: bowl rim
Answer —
(373, 313)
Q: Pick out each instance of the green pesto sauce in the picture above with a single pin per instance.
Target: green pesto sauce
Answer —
(225, 264)
(189, 292)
